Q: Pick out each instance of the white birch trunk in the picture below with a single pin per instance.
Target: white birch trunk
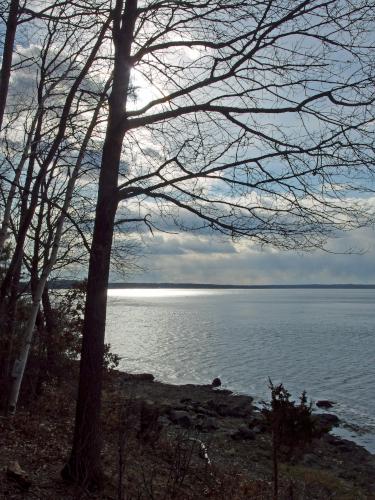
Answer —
(20, 363)
(14, 185)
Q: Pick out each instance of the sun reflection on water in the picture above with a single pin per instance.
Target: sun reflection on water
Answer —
(157, 292)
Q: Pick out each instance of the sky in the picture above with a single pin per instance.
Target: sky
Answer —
(206, 258)
(193, 258)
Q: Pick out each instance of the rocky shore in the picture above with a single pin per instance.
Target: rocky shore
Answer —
(169, 441)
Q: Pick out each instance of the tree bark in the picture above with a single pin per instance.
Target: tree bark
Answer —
(6, 65)
(39, 284)
(34, 197)
(84, 464)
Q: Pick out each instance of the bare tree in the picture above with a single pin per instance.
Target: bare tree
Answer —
(54, 235)
(258, 123)
(15, 14)
(10, 34)
(56, 120)
(59, 133)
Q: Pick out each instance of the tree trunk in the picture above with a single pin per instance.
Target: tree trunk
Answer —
(275, 464)
(50, 156)
(13, 188)
(84, 464)
(7, 324)
(6, 65)
(39, 284)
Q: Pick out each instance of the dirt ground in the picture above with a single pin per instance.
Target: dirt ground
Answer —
(163, 441)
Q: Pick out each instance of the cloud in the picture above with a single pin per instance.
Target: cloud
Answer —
(189, 245)
(204, 259)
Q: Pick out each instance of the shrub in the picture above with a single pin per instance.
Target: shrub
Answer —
(291, 424)
(69, 309)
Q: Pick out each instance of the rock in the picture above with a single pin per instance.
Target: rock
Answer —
(180, 417)
(17, 474)
(202, 452)
(207, 424)
(216, 407)
(150, 425)
(238, 409)
(164, 421)
(343, 445)
(180, 408)
(326, 421)
(325, 403)
(243, 433)
(138, 377)
(216, 382)
(329, 418)
(257, 424)
(200, 410)
(259, 429)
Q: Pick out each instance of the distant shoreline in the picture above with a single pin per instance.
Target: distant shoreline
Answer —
(63, 284)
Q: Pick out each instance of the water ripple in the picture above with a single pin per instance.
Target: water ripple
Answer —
(319, 340)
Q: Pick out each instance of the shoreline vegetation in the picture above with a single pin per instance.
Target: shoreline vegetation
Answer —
(175, 441)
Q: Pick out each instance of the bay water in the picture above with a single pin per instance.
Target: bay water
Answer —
(318, 340)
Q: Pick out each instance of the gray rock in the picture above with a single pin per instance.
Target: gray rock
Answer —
(181, 418)
(216, 382)
(17, 474)
(343, 445)
(164, 421)
(257, 423)
(149, 423)
(241, 411)
(238, 409)
(324, 403)
(326, 421)
(259, 429)
(138, 377)
(207, 424)
(200, 410)
(243, 434)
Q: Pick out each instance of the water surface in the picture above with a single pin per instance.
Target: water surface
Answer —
(322, 341)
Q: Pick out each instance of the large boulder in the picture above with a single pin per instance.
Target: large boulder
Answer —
(216, 382)
(325, 404)
(18, 475)
(324, 422)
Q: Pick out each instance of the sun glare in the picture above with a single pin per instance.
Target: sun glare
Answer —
(154, 292)
(144, 91)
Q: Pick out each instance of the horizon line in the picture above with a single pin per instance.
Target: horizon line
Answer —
(121, 284)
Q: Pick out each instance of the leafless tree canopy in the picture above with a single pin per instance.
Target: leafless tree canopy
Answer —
(264, 115)
(254, 119)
